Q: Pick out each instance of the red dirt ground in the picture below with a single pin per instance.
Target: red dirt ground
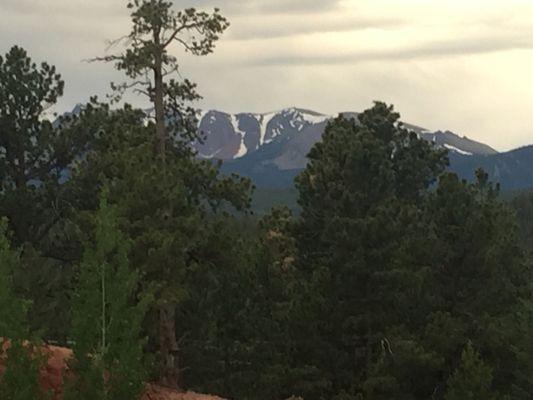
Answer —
(52, 377)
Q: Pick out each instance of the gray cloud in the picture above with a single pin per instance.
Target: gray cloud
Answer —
(63, 8)
(264, 6)
(327, 55)
(436, 49)
(269, 29)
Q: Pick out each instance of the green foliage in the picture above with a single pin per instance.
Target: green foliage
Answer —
(522, 203)
(170, 236)
(155, 72)
(34, 157)
(472, 380)
(34, 152)
(13, 310)
(371, 293)
(361, 239)
(238, 315)
(398, 273)
(107, 317)
(20, 380)
(21, 377)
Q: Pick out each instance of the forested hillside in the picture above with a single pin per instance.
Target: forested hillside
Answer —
(396, 279)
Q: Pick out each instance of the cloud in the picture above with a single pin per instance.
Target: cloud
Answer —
(100, 8)
(264, 6)
(288, 26)
(327, 55)
(435, 49)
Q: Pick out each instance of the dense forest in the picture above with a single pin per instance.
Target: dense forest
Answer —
(395, 280)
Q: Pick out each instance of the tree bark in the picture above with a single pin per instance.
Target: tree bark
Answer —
(159, 105)
(168, 346)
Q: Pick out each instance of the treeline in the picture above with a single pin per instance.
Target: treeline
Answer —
(396, 281)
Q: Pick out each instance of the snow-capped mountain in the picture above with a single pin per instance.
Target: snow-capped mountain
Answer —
(231, 136)
(234, 136)
(272, 148)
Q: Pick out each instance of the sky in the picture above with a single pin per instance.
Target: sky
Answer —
(459, 65)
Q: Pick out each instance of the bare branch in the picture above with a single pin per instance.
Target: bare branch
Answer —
(136, 83)
(185, 44)
(140, 91)
(113, 43)
(104, 59)
(177, 31)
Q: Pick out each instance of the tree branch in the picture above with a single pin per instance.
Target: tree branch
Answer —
(177, 31)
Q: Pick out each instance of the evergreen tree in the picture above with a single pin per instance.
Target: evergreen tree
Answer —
(522, 204)
(360, 244)
(107, 317)
(169, 208)
(472, 380)
(35, 154)
(238, 314)
(399, 274)
(21, 360)
(154, 72)
(479, 272)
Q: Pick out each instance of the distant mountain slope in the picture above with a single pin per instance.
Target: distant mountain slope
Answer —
(272, 148)
(294, 131)
(275, 160)
(513, 169)
(456, 144)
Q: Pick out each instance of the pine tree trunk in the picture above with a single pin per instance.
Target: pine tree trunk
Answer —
(159, 105)
(168, 346)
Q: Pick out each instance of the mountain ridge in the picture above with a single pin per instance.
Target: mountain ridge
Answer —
(233, 136)
(289, 134)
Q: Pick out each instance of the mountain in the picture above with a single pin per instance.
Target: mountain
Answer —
(231, 136)
(512, 169)
(293, 131)
(271, 148)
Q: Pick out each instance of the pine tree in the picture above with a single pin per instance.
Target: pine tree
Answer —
(472, 380)
(22, 362)
(154, 72)
(107, 317)
(35, 154)
(360, 239)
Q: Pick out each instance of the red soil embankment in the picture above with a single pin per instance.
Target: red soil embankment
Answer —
(56, 368)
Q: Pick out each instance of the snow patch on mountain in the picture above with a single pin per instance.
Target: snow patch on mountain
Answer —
(242, 149)
(316, 119)
(263, 120)
(201, 115)
(453, 148)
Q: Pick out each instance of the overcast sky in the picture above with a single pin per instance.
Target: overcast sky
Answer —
(460, 65)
